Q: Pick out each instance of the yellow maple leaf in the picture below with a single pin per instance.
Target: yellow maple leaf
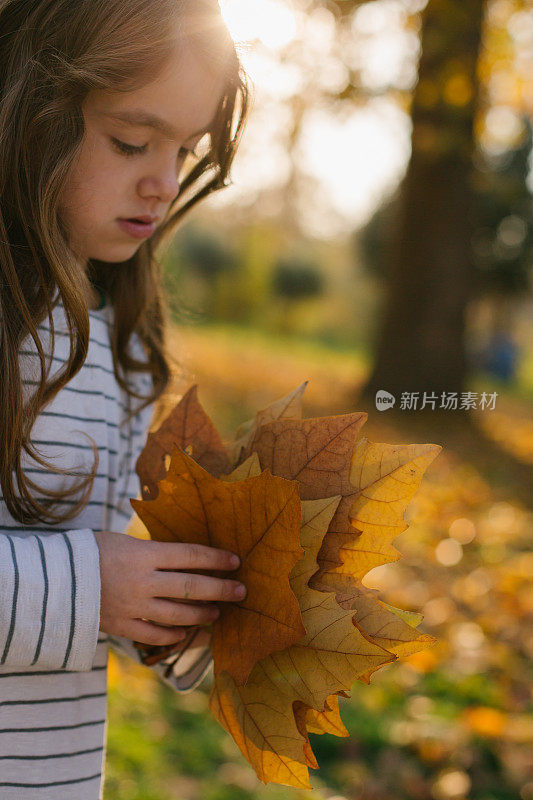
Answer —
(384, 479)
(332, 654)
(327, 721)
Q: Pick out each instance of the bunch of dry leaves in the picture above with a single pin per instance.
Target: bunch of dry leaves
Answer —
(310, 507)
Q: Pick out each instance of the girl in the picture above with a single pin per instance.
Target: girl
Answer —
(102, 104)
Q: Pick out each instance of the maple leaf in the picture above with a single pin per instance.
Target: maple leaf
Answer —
(384, 479)
(288, 407)
(152, 654)
(332, 654)
(392, 628)
(354, 494)
(376, 481)
(254, 518)
(188, 427)
(309, 720)
(315, 452)
(327, 721)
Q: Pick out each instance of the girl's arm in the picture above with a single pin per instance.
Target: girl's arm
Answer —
(49, 600)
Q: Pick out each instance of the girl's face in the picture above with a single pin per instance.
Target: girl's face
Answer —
(132, 154)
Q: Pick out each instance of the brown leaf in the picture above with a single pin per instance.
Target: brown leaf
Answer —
(376, 481)
(261, 721)
(288, 407)
(384, 479)
(152, 654)
(317, 453)
(332, 654)
(188, 427)
(259, 519)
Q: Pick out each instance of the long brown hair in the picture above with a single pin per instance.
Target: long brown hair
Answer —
(52, 53)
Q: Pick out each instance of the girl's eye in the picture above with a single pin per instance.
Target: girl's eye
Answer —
(132, 150)
(127, 149)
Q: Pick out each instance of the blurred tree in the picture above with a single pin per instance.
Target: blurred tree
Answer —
(323, 68)
(503, 240)
(432, 273)
(501, 246)
(502, 243)
(421, 343)
(208, 258)
(295, 278)
(204, 253)
(375, 239)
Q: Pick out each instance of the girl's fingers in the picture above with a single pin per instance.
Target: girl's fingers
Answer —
(167, 612)
(149, 633)
(196, 587)
(177, 555)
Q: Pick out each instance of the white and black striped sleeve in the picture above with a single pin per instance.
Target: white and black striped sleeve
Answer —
(184, 670)
(49, 600)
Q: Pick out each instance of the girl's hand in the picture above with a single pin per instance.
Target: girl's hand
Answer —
(138, 594)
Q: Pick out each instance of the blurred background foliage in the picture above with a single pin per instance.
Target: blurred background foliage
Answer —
(390, 146)
(378, 235)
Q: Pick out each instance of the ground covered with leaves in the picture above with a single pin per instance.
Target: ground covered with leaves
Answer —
(454, 721)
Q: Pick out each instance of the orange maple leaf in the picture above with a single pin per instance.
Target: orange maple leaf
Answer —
(188, 427)
(254, 518)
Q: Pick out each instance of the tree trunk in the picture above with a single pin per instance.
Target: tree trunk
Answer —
(421, 344)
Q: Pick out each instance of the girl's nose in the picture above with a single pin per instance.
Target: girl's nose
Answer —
(163, 183)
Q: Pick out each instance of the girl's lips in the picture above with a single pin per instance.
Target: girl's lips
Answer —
(139, 230)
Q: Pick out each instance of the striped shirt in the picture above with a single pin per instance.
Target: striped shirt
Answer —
(53, 658)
